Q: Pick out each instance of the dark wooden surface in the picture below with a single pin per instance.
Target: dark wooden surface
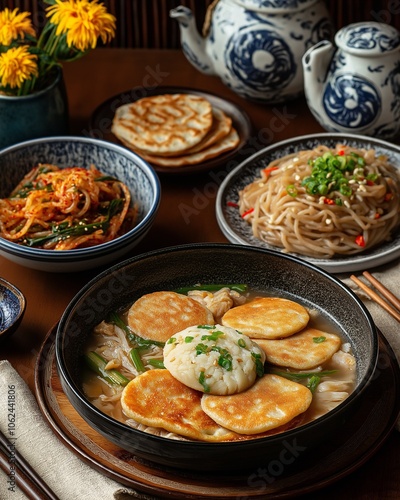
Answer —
(92, 80)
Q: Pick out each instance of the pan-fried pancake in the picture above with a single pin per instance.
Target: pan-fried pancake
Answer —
(267, 318)
(225, 144)
(304, 350)
(163, 124)
(221, 126)
(159, 315)
(157, 399)
(271, 402)
(214, 359)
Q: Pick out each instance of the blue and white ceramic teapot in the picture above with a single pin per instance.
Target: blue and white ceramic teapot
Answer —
(355, 87)
(255, 46)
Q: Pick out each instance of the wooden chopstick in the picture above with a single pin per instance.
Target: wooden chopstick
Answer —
(26, 476)
(376, 297)
(384, 291)
(23, 482)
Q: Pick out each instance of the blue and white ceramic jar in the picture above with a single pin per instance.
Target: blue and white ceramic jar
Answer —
(255, 46)
(355, 86)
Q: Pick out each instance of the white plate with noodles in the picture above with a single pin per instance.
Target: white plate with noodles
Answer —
(341, 212)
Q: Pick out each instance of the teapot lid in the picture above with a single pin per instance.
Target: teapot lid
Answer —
(275, 6)
(368, 38)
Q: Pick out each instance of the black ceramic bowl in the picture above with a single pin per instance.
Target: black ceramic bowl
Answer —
(186, 265)
(12, 308)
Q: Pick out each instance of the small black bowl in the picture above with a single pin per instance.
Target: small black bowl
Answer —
(12, 308)
(186, 265)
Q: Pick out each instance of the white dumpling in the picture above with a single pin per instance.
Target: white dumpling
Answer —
(213, 359)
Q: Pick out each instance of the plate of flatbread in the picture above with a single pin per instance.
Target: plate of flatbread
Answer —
(175, 129)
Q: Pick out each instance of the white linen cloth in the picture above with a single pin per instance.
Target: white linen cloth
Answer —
(67, 474)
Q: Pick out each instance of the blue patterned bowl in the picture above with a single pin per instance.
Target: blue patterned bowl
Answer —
(111, 159)
(12, 308)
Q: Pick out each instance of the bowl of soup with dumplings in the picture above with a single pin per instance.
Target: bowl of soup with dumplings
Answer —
(215, 357)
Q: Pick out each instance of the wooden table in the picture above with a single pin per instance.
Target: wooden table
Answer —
(92, 80)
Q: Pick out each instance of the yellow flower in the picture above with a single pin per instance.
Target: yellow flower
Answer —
(14, 25)
(16, 66)
(83, 21)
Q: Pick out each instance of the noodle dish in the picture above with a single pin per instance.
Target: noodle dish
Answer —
(324, 200)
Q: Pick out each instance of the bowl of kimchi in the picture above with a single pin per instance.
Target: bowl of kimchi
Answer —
(73, 203)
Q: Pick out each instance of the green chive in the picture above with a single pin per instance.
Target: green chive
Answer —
(202, 381)
(97, 364)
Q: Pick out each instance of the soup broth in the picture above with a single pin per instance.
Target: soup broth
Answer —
(331, 382)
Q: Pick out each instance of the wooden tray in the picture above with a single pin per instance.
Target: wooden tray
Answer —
(340, 455)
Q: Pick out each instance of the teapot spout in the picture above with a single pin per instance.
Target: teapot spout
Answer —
(193, 44)
(316, 63)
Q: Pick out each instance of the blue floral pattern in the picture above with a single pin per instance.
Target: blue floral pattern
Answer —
(351, 101)
(260, 59)
(370, 37)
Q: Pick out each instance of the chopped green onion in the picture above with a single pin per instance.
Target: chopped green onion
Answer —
(259, 364)
(202, 380)
(157, 363)
(241, 343)
(134, 340)
(188, 339)
(171, 340)
(137, 360)
(319, 340)
(225, 358)
(201, 349)
(213, 336)
(313, 382)
(97, 364)
(291, 190)
(332, 173)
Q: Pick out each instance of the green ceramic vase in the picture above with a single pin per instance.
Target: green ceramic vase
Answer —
(42, 114)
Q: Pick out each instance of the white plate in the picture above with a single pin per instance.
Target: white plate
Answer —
(239, 231)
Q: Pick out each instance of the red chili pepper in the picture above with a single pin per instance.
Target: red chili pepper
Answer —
(232, 204)
(329, 201)
(388, 196)
(370, 183)
(377, 216)
(360, 240)
(268, 170)
(247, 212)
(341, 152)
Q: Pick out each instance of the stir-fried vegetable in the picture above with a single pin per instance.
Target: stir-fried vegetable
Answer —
(134, 339)
(237, 287)
(97, 364)
(63, 230)
(313, 378)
